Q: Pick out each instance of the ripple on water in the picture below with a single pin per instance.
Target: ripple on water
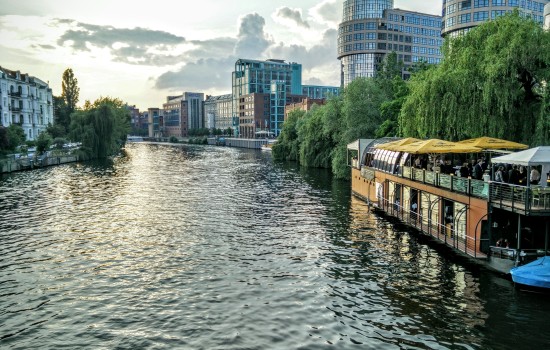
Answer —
(217, 248)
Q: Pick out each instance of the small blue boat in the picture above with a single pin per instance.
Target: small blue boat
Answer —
(534, 274)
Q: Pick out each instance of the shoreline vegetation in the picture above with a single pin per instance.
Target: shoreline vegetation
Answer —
(491, 82)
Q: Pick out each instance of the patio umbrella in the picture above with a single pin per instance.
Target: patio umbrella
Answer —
(435, 146)
(493, 143)
(391, 146)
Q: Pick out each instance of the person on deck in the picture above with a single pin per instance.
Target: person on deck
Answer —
(464, 171)
(522, 176)
(534, 177)
(499, 175)
(478, 170)
(513, 175)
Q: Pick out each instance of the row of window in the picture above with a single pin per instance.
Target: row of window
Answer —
(481, 16)
(389, 47)
(467, 5)
(415, 19)
(359, 27)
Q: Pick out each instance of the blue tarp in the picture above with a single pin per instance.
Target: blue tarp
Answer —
(535, 274)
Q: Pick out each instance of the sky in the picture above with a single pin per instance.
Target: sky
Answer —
(141, 52)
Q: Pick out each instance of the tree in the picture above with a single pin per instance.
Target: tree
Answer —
(16, 136)
(43, 142)
(492, 82)
(70, 90)
(101, 127)
(288, 146)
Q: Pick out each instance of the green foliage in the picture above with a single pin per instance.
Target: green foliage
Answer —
(287, 146)
(56, 130)
(199, 132)
(70, 90)
(101, 127)
(43, 142)
(492, 82)
(59, 142)
(15, 135)
(4, 140)
(173, 139)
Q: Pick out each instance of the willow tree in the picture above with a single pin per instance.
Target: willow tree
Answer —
(288, 146)
(491, 82)
(101, 127)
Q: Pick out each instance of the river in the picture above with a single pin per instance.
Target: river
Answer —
(200, 247)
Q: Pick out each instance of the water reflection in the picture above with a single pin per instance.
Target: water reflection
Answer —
(219, 248)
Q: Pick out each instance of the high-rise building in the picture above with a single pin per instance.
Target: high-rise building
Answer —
(251, 76)
(320, 92)
(371, 29)
(26, 101)
(460, 16)
(218, 111)
(547, 16)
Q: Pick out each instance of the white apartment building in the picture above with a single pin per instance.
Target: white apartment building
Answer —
(26, 101)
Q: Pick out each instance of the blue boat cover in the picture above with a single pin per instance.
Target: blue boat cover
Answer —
(535, 274)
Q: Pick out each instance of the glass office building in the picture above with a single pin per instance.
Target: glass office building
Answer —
(459, 16)
(256, 77)
(372, 28)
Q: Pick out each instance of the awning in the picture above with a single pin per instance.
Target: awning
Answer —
(437, 146)
(493, 143)
(391, 146)
(530, 157)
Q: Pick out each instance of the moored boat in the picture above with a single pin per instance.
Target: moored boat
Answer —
(533, 274)
(420, 182)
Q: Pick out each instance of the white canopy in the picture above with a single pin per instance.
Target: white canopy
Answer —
(530, 157)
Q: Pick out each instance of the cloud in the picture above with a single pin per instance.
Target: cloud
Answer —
(288, 15)
(210, 63)
(328, 12)
(215, 71)
(129, 45)
(204, 74)
(251, 40)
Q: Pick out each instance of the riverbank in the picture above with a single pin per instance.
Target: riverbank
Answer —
(28, 163)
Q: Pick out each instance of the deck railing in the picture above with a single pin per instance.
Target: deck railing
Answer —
(447, 234)
(472, 187)
(520, 198)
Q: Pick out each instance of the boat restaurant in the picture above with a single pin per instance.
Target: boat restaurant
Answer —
(482, 197)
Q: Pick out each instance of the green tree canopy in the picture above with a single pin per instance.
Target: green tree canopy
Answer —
(70, 90)
(492, 82)
(102, 127)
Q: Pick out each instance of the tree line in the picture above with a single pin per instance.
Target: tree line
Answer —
(492, 82)
(101, 127)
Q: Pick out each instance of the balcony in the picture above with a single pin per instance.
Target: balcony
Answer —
(533, 200)
(467, 186)
(14, 93)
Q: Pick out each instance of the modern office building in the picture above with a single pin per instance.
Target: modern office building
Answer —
(320, 92)
(305, 105)
(252, 76)
(179, 114)
(460, 16)
(218, 111)
(25, 101)
(370, 29)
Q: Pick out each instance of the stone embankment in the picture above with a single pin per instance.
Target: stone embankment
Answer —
(27, 163)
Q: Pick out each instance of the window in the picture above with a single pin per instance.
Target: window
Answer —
(481, 16)
(481, 3)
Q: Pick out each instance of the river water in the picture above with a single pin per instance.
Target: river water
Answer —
(193, 247)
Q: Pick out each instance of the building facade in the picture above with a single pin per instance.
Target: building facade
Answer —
(218, 112)
(371, 29)
(155, 122)
(251, 76)
(460, 16)
(305, 105)
(320, 92)
(26, 101)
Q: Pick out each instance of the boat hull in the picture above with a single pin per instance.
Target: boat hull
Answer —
(534, 274)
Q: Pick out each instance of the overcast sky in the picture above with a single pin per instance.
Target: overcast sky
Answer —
(143, 52)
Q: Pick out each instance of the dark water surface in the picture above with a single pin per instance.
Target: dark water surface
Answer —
(219, 248)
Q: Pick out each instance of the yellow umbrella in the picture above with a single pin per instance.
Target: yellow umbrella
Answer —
(390, 146)
(437, 146)
(493, 143)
